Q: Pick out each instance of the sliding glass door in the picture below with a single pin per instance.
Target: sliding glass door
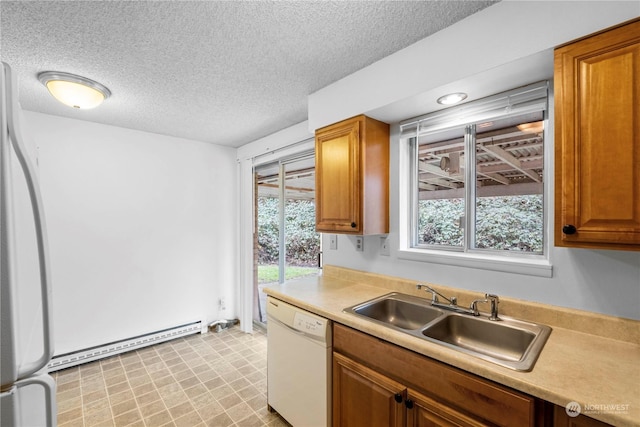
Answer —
(286, 245)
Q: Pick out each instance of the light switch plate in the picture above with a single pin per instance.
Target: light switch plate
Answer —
(333, 241)
(384, 246)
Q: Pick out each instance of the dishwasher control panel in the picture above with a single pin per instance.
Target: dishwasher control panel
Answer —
(299, 319)
(305, 323)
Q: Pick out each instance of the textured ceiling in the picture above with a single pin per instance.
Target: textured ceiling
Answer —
(226, 72)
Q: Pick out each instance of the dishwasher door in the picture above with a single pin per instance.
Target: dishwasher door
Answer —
(298, 365)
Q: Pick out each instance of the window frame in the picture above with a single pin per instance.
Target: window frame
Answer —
(487, 259)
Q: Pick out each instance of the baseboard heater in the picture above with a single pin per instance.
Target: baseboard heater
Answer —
(68, 360)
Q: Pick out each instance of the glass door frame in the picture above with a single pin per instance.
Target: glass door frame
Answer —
(282, 163)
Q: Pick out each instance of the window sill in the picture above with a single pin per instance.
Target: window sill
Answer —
(538, 266)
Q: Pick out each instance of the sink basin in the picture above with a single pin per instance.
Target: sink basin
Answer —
(508, 342)
(398, 310)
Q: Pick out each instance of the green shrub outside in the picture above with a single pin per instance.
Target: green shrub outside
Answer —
(301, 240)
(511, 223)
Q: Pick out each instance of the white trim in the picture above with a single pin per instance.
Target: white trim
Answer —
(285, 153)
(245, 251)
(533, 267)
(135, 343)
(284, 144)
(509, 262)
(275, 141)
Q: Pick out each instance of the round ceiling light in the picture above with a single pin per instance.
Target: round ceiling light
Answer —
(74, 91)
(452, 98)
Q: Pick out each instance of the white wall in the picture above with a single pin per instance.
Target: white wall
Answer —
(142, 229)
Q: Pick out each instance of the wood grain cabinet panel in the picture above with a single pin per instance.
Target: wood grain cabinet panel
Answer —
(426, 412)
(440, 395)
(597, 140)
(352, 177)
(363, 397)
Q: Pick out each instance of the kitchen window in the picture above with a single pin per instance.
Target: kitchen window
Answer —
(476, 183)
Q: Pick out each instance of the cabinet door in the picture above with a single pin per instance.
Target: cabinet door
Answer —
(597, 122)
(425, 412)
(363, 397)
(338, 187)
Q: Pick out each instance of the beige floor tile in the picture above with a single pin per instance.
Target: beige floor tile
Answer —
(222, 420)
(69, 404)
(196, 390)
(127, 418)
(181, 409)
(71, 415)
(126, 406)
(152, 408)
(158, 419)
(98, 417)
(239, 412)
(200, 380)
(68, 386)
(210, 411)
(121, 397)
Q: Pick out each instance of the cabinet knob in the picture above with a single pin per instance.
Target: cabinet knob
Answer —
(353, 225)
(408, 403)
(398, 397)
(569, 229)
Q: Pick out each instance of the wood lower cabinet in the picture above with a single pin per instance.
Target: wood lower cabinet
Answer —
(352, 177)
(373, 375)
(597, 140)
(423, 411)
(363, 397)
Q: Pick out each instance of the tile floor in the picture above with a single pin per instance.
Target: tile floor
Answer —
(215, 379)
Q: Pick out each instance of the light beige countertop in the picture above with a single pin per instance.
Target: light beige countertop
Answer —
(589, 358)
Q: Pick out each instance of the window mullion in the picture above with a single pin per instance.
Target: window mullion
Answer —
(415, 190)
(470, 188)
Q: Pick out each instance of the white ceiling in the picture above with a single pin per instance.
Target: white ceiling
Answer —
(225, 72)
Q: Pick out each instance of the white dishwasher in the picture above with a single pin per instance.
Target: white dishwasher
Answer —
(298, 365)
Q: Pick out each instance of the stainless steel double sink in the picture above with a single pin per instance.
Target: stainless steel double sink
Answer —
(508, 342)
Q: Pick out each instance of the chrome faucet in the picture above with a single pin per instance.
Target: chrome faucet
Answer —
(494, 300)
(434, 298)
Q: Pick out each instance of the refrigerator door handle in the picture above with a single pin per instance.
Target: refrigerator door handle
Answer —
(15, 136)
(10, 404)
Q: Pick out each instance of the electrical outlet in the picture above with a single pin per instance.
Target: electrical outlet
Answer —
(384, 246)
(333, 241)
(223, 304)
(359, 244)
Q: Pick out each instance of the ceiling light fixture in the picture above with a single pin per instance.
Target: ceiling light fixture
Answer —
(533, 127)
(74, 91)
(452, 98)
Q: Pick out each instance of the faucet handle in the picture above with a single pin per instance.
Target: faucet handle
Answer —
(474, 306)
(494, 300)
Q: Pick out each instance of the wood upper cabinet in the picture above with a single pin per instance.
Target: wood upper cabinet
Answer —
(597, 140)
(352, 177)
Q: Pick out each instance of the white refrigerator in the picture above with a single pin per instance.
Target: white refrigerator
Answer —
(27, 392)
